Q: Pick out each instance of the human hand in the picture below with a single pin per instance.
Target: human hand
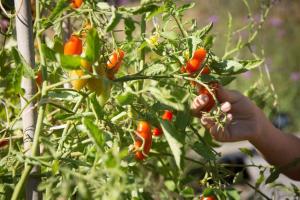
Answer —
(245, 121)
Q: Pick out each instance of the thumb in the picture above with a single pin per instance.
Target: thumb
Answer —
(224, 95)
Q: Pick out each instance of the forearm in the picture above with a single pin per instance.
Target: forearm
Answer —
(279, 149)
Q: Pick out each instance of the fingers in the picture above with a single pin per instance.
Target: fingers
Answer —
(224, 95)
(222, 134)
(198, 104)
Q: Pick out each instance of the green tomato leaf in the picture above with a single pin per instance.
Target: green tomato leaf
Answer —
(232, 194)
(175, 141)
(166, 98)
(114, 20)
(92, 51)
(94, 132)
(155, 69)
(129, 28)
(70, 62)
(204, 150)
(126, 98)
(27, 71)
(59, 8)
(183, 119)
(48, 53)
(274, 174)
(246, 151)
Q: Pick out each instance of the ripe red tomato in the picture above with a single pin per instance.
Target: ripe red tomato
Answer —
(211, 102)
(208, 198)
(138, 155)
(76, 3)
(144, 132)
(3, 143)
(39, 78)
(193, 65)
(182, 69)
(115, 60)
(73, 46)
(205, 70)
(143, 126)
(168, 115)
(157, 132)
(200, 54)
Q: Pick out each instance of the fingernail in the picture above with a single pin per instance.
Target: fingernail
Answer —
(204, 98)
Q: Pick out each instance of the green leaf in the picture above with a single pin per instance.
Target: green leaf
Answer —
(164, 97)
(126, 98)
(274, 174)
(187, 192)
(103, 5)
(114, 20)
(232, 194)
(193, 42)
(170, 35)
(238, 178)
(27, 71)
(92, 51)
(175, 141)
(58, 45)
(204, 31)
(145, 8)
(251, 64)
(183, 119)
(204, 150)
(48, 53)
(185, 7)
(260, 179)
(59, 8)
(208, 192)
(155, 12)
(70, 62)
(94, 132)
(246, 151)
(97, 109)
(170, 185)
(129, 28)
(155, 69)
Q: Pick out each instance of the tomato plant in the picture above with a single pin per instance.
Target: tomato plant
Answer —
(124, 64)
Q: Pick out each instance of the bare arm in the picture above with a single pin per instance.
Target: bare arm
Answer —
(245, 121)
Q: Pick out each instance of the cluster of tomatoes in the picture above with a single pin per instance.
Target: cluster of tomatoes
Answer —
(194, 66)
(143, 141)
(74, 47)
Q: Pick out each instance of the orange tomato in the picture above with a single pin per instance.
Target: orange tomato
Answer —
(200, 54)
(211, 102)
(205, 70)
(193, 65)
(143, 126)
(73, 46)
(76, 3)
(168, 115)
(157, 132)
(208, 198)
(144, 132)
(115, 59)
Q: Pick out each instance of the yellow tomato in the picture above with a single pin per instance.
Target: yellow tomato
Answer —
(80, 83)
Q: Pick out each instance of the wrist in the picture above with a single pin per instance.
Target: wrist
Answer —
(264, 130)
